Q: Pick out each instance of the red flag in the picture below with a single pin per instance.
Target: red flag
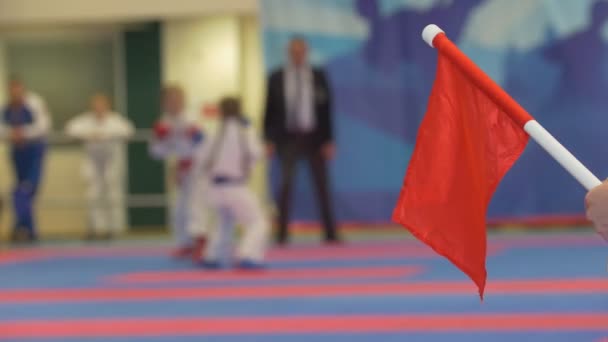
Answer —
(465, 145)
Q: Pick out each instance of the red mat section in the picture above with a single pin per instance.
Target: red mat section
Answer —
(266, 275)
(365, 252)
(397, 250)
(302, 325)
(401, 248)
(548, 286)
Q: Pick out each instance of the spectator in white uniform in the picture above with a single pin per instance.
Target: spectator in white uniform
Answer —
(227, 159)
(176, 137)
(103, 134)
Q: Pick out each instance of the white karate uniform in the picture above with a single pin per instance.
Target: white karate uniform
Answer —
(103, 167)
(188, 208)
(227, 158)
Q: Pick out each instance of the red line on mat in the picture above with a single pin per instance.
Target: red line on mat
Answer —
(126, 327)
(364, 252)
(42, 254)
(299, 253)
(353, 252)
(263, 275)
(547, 286)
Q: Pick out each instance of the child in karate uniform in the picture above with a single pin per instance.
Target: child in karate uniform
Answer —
(104, 134)
(227, 159)
(177, 136)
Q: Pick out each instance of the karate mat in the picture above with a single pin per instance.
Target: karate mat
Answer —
(541, 287)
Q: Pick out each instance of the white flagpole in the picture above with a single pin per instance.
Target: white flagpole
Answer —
(561, 155)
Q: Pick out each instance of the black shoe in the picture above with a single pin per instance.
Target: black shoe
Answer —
(333, 241)
(90, 237)
(281, 240)
(22, 236)
(107, 237)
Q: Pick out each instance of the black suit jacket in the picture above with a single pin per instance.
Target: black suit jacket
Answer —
(275, 119)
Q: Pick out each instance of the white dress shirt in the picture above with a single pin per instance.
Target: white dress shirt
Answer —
(299, 95)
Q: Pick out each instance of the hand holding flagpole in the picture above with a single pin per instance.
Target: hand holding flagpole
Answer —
(435, 37)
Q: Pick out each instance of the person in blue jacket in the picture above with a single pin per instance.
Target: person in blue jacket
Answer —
(24, 124)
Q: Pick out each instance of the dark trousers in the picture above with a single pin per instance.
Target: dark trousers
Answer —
(303, 147)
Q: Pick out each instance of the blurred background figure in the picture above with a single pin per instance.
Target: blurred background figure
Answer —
(298, 125)
(176, 136)
(103, 133)
(228, 159)
(25, 124)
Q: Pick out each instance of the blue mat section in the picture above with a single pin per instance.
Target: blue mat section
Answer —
(378, 305)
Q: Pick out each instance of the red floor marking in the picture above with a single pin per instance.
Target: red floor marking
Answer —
(43, 254)
(308, 252)
(409, 247)
(126, 327)
(359, 253)
(9, 257)
(271, 274)
(300, 253)
(548, 286)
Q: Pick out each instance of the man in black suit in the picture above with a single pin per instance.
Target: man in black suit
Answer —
(298, 125)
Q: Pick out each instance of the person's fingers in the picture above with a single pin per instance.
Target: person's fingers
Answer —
(602, 229)
(597, 197)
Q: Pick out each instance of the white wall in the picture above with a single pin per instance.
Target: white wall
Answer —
(253, 89)
(81, 11)
(203, 56)
(252, 67)
(3, 73)
(5, 174)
